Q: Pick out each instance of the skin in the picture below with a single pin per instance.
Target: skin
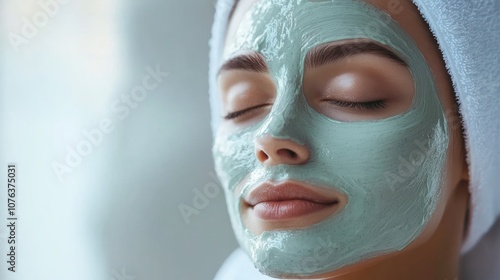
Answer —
(435, 253)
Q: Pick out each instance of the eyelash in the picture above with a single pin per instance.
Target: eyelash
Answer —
(371, 105)
(234, 115)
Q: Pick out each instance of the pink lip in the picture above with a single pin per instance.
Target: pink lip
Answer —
(288, 200)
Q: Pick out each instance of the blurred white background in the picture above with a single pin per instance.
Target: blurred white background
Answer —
(108, 146)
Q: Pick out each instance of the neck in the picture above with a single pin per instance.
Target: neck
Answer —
(435, 259)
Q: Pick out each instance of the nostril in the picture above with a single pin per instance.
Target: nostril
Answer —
(271, 151)
(262, 156)
(287, 153)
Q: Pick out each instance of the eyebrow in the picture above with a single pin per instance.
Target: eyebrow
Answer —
(329, 53)
(252, 61)
(318, 56)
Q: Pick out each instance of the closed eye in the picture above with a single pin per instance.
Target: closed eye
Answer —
(370, 105)
(236, 114)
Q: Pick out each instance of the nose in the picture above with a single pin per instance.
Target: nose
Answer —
(271, 151)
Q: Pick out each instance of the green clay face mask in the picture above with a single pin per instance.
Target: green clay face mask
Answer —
(390, 169)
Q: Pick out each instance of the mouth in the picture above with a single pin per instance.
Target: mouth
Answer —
(290, 200)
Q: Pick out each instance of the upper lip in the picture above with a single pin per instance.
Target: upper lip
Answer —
(291, 190)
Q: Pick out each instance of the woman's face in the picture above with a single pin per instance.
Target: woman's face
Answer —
(340, 140)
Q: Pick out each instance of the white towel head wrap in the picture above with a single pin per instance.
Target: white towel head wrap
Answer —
(468, 34)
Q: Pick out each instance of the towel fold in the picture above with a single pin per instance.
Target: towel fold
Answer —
(468, 34)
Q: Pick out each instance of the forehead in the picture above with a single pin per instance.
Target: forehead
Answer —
(402, 11)
(286, 30)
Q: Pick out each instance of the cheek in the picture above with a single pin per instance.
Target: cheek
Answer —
(234, 156)
(383, 159)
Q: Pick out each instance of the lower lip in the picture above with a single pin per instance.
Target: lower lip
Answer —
(287, 209)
